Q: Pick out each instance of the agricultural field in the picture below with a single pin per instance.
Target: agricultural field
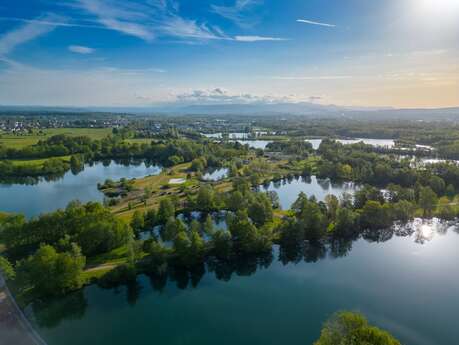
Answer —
(23, 140)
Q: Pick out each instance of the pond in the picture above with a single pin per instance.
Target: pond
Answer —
(235, 135)
(215, 174)
(389, 143)
(288, 190)
(406, 284)
(46, 196)
(218, 223)
(255, 144)
(230, 135)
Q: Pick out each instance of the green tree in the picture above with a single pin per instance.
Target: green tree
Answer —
(245, 235)
(198, 165)
(437, 184)
(332, 203)
(208, 226)
(7, 269)
(445, 210)
(427, 200)
(260, 210)
(138, 222)
(151, 219)
(166, 210)
(189, 249)
(375, 216)
(347, 328)
(205, 201)
(345, 222)
(172, 229)
(51, 273)
(236, 201)
(222, 244)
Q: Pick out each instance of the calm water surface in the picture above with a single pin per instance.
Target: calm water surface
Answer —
(288, 190)
(46, 196)
(405, 284)
(255, 144)
(215, 174)
(389, 143)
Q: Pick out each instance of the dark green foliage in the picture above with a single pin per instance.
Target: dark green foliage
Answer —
(51, 273)
(172, 228)
(427, 200)
(189, 248)
(93, 227)
(138, 222)
(375, 215)
(165, 211)
(222, 244)
(247, 239)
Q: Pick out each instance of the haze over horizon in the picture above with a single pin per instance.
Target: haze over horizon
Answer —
(113, 53)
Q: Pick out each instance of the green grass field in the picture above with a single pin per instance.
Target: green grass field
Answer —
(20, 162)
(19, 141)
(139, 141)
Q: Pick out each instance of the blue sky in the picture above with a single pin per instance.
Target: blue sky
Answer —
(401, 53)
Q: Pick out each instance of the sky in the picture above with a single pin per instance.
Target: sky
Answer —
(398, 53)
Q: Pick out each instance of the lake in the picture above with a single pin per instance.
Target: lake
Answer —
(218, 222)
(389, 143)
(46, 196)
(215, 174)
(255, 144)
(288, 190)
(406, 283)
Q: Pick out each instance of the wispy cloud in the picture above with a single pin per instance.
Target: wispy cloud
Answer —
(26, 33)
(320, 77)
(311, 22)
(81, 49)
(53, 23)
(120, 16)
(238, 13)
(159, 18)
(258, 38)
(177, 26)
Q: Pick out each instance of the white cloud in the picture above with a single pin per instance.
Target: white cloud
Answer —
(222, 96)
(26, 33)
(81, 49)
(257, 38)
(120, 16)
(52, 23)
(159, 18)
(179, 27)
(311, 22)
(237, 12)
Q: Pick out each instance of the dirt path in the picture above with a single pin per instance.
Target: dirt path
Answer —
(15, 329)
(101, 267)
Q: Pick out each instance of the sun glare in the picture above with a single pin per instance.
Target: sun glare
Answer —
(440, 4)
(439, 7)
(426, 231)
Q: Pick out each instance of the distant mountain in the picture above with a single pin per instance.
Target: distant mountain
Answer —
(254, 109)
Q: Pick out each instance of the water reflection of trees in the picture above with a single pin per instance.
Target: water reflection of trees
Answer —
(75, 170)
(51, 313)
